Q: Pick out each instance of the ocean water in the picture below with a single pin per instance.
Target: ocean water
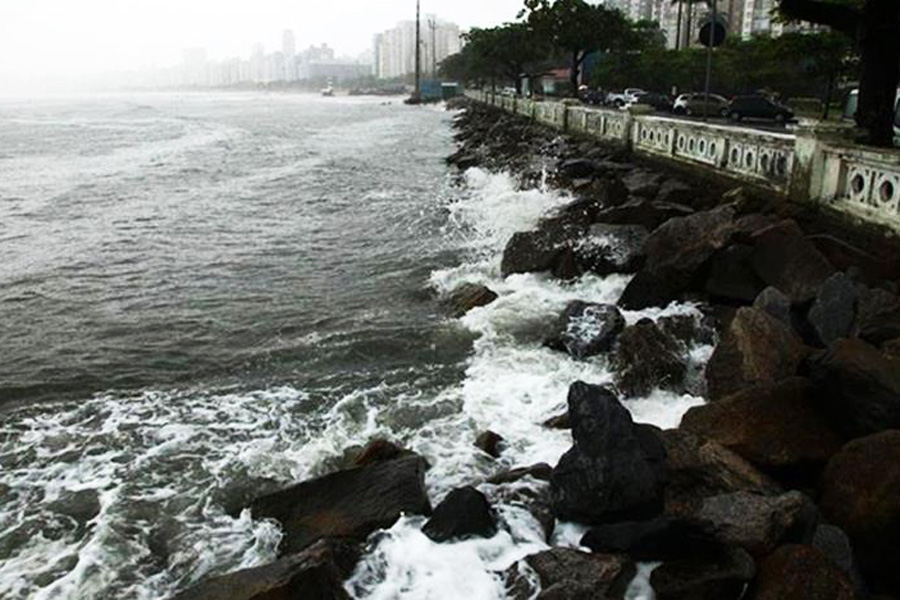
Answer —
(207, 296)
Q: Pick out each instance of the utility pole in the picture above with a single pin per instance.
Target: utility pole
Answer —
(418, 53)
(433, 25)
(678, 26)
(709, 58)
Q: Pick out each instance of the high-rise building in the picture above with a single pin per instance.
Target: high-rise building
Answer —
(288, 44)
(395, 49)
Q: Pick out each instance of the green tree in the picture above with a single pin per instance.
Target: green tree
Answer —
(874, 25)
(576, 28)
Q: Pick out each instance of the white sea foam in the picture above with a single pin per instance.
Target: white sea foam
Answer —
(512, 385)
(165, 465)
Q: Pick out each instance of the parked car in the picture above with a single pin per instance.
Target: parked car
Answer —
(594, 97)
(758, 107)
(698, 105)
(659, 102)
(626, 97)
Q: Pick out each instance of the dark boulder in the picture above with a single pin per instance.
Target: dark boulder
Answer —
(347, 504)
(586, 329)
(758, 524)
(464, 513)
(662, 538)
(643, 183)
(646, 359)
(578, 168)
(646, 213)
(879, 315)
(775, 303)
(861, 495)
(755, 349)
(798, 572)
(567, 574)
(677, 252)
(674, 191)
(316, 573)
(844, 255)
(860, 387)
(699, 468)
(834, 543)
(380, 450)
(833, 315)
(610, 249)
(489, 443)
(720, 576)
(469, 296)
(731, 276)
(784, 258)
(778, 427)
(545, 249)
(615, 469)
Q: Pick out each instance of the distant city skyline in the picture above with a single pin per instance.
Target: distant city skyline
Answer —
(64, 40)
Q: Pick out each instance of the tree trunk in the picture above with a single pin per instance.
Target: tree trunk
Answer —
(678, 25)
(879, 46)
(573, 74)
(518, 80)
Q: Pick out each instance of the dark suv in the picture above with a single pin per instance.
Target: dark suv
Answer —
(758, 107)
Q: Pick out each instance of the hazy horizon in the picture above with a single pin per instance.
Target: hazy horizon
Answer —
(49, 43)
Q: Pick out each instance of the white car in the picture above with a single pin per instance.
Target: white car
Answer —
(629, 96)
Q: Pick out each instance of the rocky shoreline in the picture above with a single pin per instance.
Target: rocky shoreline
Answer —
(785, 484)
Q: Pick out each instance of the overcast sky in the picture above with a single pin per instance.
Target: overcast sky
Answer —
(49, 38)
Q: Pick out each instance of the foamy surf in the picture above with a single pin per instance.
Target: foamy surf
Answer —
(164, 474)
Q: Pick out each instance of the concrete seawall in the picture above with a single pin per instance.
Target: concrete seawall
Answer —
(807, 164)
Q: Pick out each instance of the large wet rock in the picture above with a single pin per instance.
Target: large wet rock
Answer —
(717, 576)
(861, 494)
(489, 442)
(756, 349)
(610, 249)
(568, 574)
(586, 329)
(544, 249)
(879, 315)
(347, 504)
(379, 450)
(732, 277)
(316, 573)
(662, 538)
(833, 315)
(776, 304)
(615, 469)
(469, 296)
(834, 543)
(677, 252)
(777, 427)
(784, 258)
(643, 183)
(699, 468)
(799, 572)
(647, 359)
(860, 387)
(756, 523)
(464, 513)
(646, 213)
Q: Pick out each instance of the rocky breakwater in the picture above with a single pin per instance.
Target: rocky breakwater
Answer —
(786, 482)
